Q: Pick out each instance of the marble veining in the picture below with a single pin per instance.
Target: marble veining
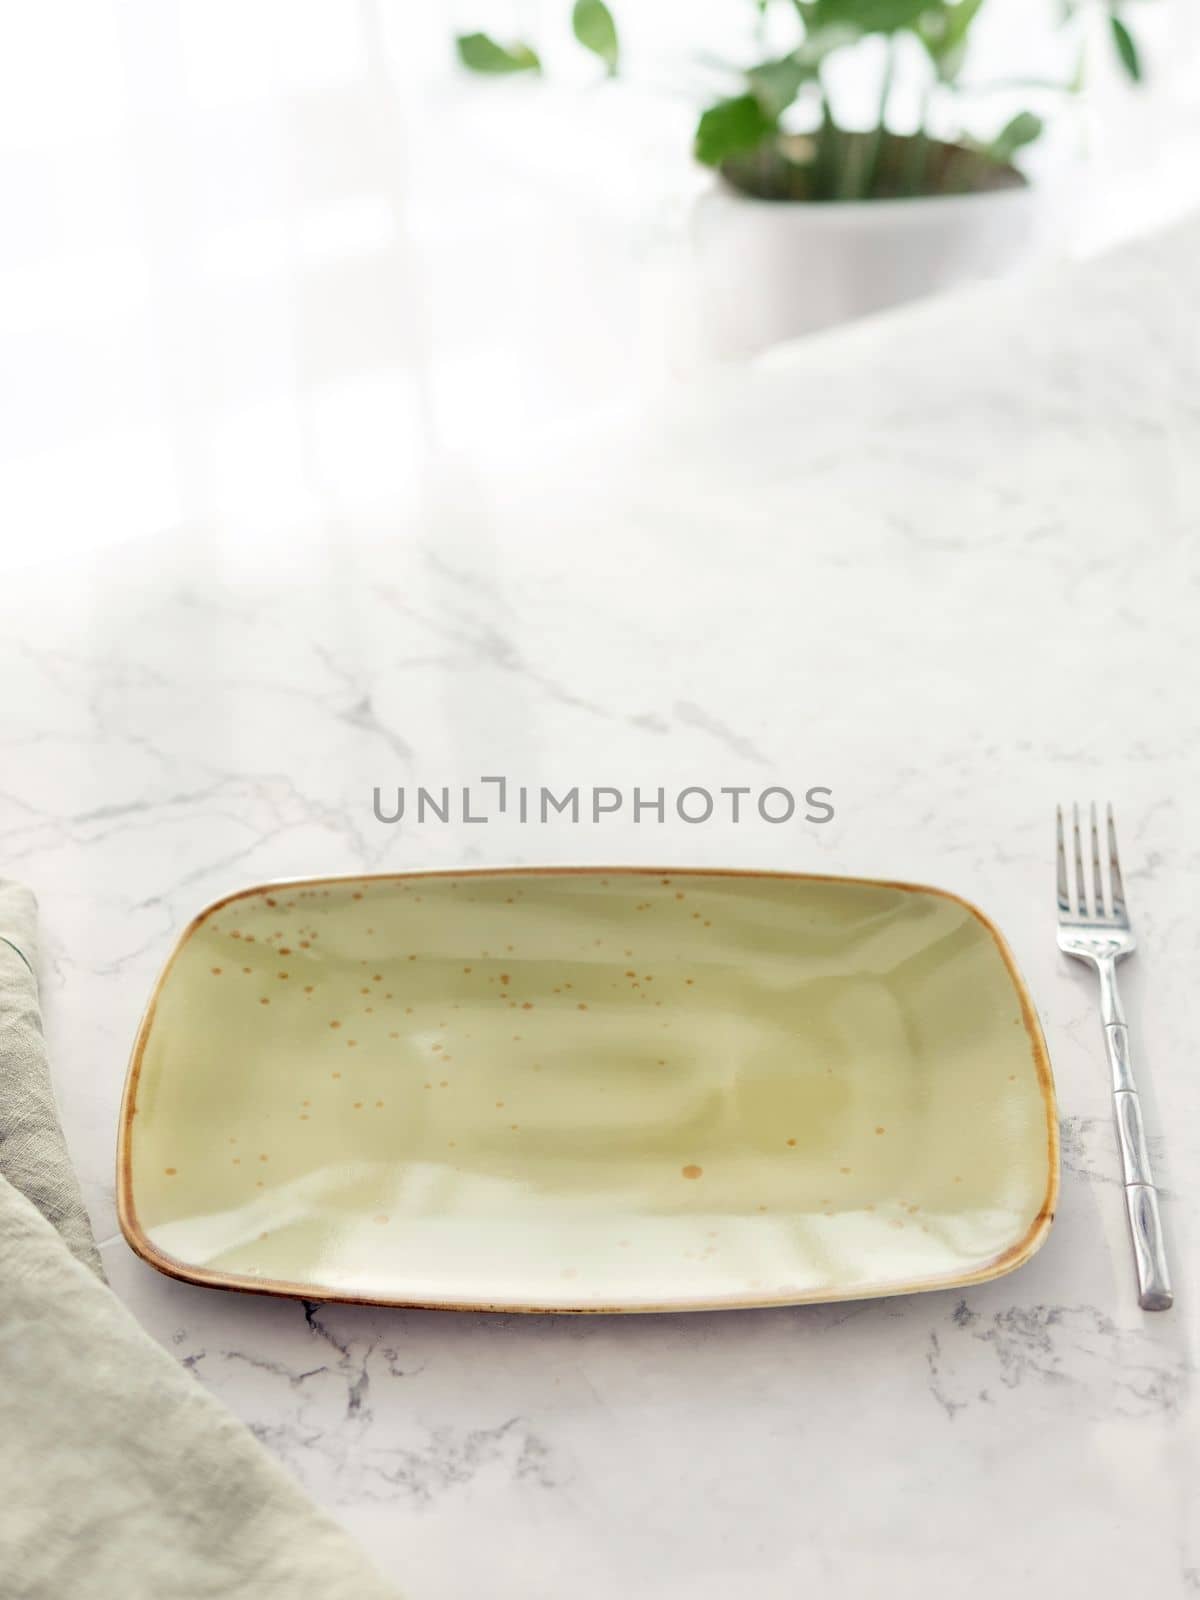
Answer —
(874, 562)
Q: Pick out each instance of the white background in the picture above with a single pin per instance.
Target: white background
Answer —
(267, 262)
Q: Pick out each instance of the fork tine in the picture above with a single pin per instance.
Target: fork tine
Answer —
(1064, 892)
(1097, 874)
(1114, 868)
(1080, 881)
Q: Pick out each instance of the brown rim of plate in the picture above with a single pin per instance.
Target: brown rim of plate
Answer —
(1008, 1260)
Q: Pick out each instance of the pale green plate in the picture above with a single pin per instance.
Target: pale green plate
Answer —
(588, 1090)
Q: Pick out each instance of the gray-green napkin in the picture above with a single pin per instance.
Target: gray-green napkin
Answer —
(121, 1478)
(33, 1152)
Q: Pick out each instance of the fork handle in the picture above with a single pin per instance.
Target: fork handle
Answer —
(1141, 1195)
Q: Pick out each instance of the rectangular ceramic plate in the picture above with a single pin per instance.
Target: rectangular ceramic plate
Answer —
(588, 1090)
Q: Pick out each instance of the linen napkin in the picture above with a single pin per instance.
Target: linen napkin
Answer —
(120, 1476)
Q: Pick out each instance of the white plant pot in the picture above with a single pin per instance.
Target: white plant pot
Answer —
(769, 270)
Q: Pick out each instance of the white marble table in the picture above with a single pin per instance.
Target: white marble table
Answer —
(877, 564)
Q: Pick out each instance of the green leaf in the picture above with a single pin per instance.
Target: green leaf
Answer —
(596, 31)
(959, 20)
(1126, 48)
(943, 31)
(732, 128)
(775, 84)
(1023, 129)
(872, 16)
(479, 52)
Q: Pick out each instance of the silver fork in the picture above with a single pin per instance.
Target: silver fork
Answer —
(1100, 934)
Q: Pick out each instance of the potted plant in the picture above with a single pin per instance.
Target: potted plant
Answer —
(813, 221)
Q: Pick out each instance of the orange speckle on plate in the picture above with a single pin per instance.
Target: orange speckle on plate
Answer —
(792, 1143)
(358, 1105)
(281, 974)
(264, 1001)
(285, 950)
(692, 1171)
(581, 1006)
(170, 1171)
(880, 1130)
(216, 972)
(264, 1157)
(335, 1024)
(843, 1169)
